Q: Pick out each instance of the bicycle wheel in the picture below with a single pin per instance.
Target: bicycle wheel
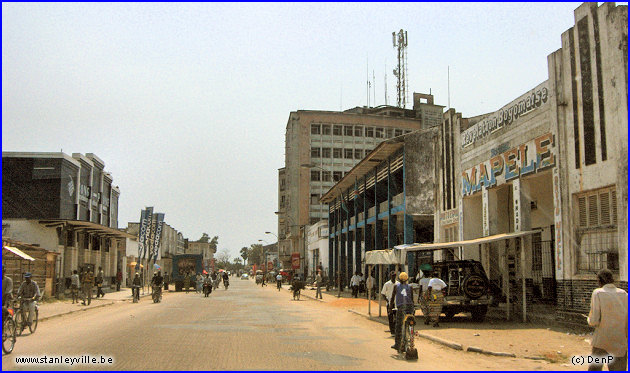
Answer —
(19, 322)
(8, 336)
(33, 325)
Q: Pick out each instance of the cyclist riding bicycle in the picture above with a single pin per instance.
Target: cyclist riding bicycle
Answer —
(135, 285)
(279, 281)
(157, 281)
(402, 297)
(28, 293)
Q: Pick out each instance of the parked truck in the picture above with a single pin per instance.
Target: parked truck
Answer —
(183, 264)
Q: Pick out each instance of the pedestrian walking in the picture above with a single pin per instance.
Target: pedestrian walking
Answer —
(402, 296)
(422, 297)
(609, 316)
(199, 283)
(187, 281)
(435, 299)
(370, 286)
(386, 292)
(75, 285)
(87, 285)
(118, 280)
(99, 283)
(318, 284)
(355, 281)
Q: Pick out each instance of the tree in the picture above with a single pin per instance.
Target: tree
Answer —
(204, 238)
(214, 242)
(256, 254)
(244, 254)
(223, 258)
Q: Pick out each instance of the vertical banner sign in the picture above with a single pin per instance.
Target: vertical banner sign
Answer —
(295, 260)
(142, 231)
(158, 236)
(147, 224)
(557, 219)
(151, 235)
(516, 191)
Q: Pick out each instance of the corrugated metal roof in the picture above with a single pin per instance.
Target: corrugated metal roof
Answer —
(18, 252)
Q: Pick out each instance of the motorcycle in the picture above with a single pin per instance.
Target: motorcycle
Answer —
(157, 294)
(207, 289)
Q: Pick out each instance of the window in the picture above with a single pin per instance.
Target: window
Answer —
(336, 176)
(315, 129)
(597, 234)
(379, 133)
(347, 153)
(369, 132)
(347, 130)
(337, 152)
(597, 208)
(337, 130)
(325, 152)
(389, 132)
(315, 152)
(397, 132)
(314, 175)
(358, 153)
(358, 131)
(314, 199)
(325, 129)
(326, 176)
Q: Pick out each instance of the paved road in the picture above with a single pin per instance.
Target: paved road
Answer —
(245, 327)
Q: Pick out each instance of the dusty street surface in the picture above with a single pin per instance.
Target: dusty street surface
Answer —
(245, 327)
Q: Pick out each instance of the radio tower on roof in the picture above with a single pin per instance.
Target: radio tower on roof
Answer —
(400, 42)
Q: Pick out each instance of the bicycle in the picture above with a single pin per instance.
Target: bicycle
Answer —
(20, 323)
(407, 345)
(9, 332)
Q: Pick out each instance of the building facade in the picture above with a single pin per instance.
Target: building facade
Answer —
(65, 204)
(551, 164)
(321, 147)
(317, 248)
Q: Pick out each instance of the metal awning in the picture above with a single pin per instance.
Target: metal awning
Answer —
(88, 227)
(18, 252)
(475, 241)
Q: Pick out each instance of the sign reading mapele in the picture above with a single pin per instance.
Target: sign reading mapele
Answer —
(533, 156)
(506, 115)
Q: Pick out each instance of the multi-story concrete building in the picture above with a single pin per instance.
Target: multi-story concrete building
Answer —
(65, 204)
(549, 168)
(321, 147)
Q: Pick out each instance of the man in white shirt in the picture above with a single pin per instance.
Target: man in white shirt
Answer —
(386, 292)
(354, 284)
(609, 316)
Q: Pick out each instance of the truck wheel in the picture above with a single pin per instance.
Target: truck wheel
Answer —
(479, 313)
(474, 286)
(449, 314)
(178, 287)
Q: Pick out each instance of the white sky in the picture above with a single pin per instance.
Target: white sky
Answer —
(187, 103)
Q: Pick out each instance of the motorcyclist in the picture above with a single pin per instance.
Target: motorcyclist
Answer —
(157, 280)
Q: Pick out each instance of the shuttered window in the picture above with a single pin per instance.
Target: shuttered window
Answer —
(597, 208)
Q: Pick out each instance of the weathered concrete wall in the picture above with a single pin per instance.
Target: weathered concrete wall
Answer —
(420, 171)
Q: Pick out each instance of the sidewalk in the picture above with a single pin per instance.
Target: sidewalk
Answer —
(56, 308)
(534, 340)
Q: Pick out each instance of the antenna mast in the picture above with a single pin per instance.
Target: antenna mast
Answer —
(400, 42)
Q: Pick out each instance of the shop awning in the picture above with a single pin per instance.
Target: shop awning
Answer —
(383, 257)
(18, 252)
(475, 241)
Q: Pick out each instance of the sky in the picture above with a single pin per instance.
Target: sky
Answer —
(187, 103)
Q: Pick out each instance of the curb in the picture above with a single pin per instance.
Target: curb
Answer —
(87, 309)
(486, 352)
(453, 345)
